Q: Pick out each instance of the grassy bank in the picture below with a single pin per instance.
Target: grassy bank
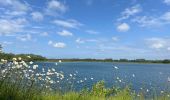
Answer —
(98, 92)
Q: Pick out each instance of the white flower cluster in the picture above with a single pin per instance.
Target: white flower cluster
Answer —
(18, 70)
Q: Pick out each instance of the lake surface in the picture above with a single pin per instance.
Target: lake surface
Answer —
(140, 76)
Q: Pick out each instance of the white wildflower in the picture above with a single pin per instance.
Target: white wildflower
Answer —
(133, 75)
(116, 67)
(19, 58)
(147, 90)
(31, 62)
(71, 75)
(162, 91)
(14, 59)
(29, 56)
(53, 69)
(2, 60)
(35, 66)
(81, 81)
(59, 61)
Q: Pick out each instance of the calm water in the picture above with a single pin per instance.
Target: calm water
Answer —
(146, 76)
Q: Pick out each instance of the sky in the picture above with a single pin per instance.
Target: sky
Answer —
(131, 29)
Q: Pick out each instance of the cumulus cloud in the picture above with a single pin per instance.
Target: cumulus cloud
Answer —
(16, 6)
(130, 12)
(11, 26)
(78, 40)
(37, 16)
(166, 16)
(115, 38)
(67, 23)
(54, 7)
(65, 33)
(26, 37)
(167, 2)
(57, 44)
(50, 42)
(44, 34)
(158, 43)
(123, 27)
(168, 48)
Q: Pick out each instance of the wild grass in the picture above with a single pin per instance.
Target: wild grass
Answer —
(22, 81)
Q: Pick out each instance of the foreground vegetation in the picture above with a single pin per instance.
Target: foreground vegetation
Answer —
(25, 81)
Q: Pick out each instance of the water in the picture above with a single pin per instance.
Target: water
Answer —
(146, 76)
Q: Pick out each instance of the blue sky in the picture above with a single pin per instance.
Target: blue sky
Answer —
(86, 28)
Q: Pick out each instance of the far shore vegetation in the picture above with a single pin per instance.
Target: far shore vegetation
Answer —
(9, 56)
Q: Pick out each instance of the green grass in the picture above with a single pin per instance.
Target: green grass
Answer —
(10, 91)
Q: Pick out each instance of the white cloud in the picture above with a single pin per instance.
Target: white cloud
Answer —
(26, 37)
(65, 33)
(78, 40)
(166, 16)
(15, 13)
(57, 44)
(123, 27)
(11, 26)
(37, 16)
(44, 34)
(145, 21)
(167, 2)
(50, 42)
(115, 38)
(16, 7)
(4, 43)
(67, 23)
(152, 21)
(92, 32)
(54, 7)
(130, 12)
(158, 43)
(168, 48)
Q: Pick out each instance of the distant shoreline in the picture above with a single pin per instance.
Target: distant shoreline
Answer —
(63, 60)
(33, 57)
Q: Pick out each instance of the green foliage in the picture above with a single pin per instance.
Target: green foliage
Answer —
(9, 56)
(99, 90)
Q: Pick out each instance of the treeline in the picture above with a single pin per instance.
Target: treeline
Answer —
(25, 57)
(112, 60)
